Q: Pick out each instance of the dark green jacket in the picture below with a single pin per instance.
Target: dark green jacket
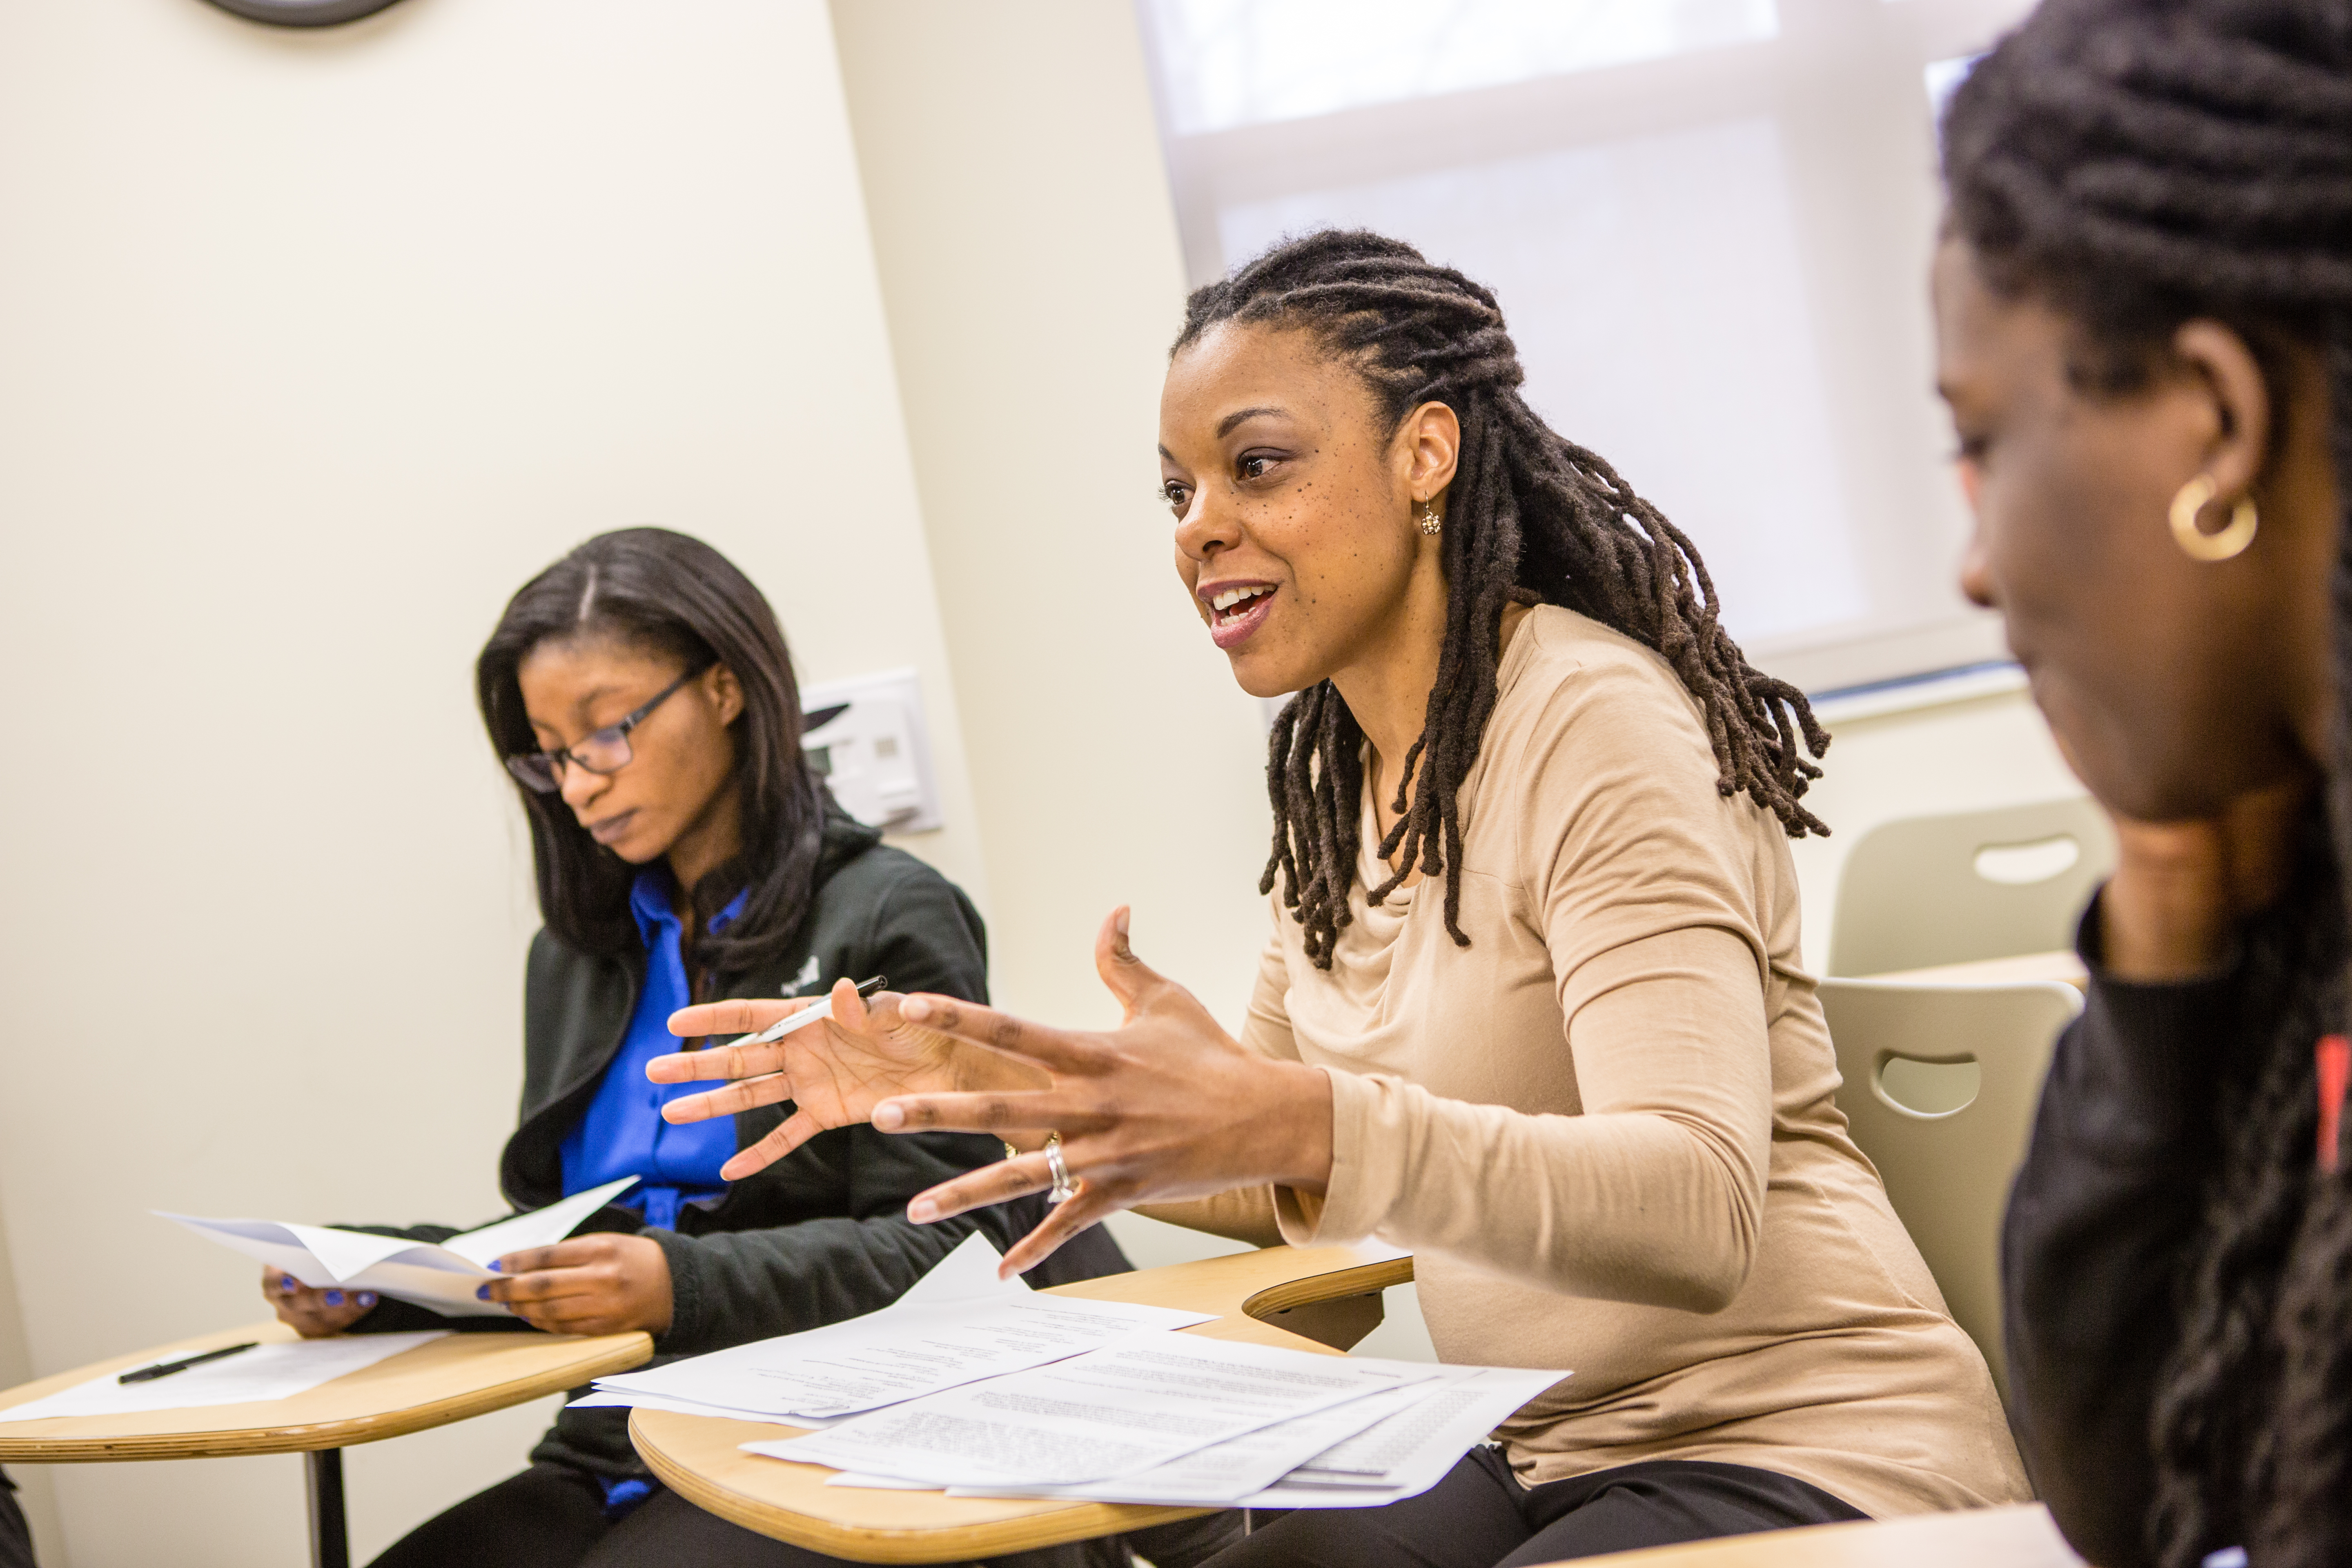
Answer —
(822, 1234)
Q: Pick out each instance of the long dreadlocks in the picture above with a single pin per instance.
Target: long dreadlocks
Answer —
(1529, 516)
(2138, 163)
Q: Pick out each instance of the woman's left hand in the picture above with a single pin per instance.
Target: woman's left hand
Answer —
(1166, 1106)
(601, 1284)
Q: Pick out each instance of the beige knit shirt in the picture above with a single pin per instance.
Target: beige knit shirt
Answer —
(1606, 1129)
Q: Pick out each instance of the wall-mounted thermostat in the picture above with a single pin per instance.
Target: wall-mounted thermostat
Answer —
(868, 739)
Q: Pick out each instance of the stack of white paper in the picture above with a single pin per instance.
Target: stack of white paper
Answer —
(1128, 1408)
(957, 1324)
(264, 1373)
(442, 1277)
(1379, 1448)
(1410, 1451)
(980, 1387)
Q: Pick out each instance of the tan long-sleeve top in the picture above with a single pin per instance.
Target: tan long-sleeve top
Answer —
(1606, 1128)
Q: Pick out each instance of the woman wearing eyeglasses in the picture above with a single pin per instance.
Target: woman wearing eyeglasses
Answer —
(640, 692)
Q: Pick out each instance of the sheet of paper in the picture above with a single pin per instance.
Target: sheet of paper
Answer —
(883, 1483)
(1223, 1473)
(540, 1228)
(966, 1274)
(621, 1401)
(1377, 1449)
(264, 1373)
(969, 1326)
(1410, 1451)
(1108, 1412)
(442, 1277)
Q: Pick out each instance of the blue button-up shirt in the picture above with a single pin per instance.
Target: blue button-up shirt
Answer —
(623, 1133)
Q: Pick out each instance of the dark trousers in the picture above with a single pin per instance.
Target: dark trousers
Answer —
(552, 1516)
(16, 1536)
(1480, 1516)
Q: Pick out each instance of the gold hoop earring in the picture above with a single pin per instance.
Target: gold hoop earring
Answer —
(1429, 520)
(2195, 543)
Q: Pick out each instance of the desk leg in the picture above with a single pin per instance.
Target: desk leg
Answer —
(330, 1545)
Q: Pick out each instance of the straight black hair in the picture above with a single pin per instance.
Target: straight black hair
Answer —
(673, 595)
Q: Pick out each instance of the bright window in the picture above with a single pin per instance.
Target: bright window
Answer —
(1245, 62)
(1709, 224)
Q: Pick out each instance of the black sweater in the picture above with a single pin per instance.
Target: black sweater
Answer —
(822, 1234)
(2097, 1234)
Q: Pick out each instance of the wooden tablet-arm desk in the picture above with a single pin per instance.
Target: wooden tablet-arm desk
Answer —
(1315, 1298)
(437, 1382)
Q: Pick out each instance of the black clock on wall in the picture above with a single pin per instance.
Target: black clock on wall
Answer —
(302, 12)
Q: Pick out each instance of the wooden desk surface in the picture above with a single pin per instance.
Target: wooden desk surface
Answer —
(2020, 1537)
(439, 1382)
(2060, 966)
(698, 1457)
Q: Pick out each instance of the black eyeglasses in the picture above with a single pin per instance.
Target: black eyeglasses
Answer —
(605, 752)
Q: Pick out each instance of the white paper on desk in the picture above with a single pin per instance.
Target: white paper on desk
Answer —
(1410, 1451)
(966, 1274)
(883, 1483)
(442, 1277)
(1111, 1412)
(968, 1325)
(268, 1371)
(1222, 1474)
(618, 1399)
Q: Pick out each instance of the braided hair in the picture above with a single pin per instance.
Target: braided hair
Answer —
(1530, 517)
(2136, 164)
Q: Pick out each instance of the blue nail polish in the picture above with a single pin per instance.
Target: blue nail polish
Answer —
(367, 1298)
(285, 1284)
(334, 1297)
(494, 1266)
(483, 1294)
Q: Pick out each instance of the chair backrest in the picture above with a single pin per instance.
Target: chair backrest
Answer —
(1926, 891)
(1947, 1142)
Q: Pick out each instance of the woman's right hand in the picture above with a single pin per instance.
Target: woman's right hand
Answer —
(2180, 888)
(834, 1072)
(312, 1313)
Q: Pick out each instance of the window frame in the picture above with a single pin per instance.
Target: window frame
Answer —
(1844, 84)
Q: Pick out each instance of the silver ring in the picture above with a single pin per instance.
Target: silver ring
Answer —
(1063, 1188)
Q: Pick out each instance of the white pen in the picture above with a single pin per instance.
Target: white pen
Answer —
(791, 1021)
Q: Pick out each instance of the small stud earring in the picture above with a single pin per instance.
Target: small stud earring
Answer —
(1429, 522)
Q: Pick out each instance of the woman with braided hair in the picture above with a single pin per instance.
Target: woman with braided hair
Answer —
(2144, 303)
(1531, 1004)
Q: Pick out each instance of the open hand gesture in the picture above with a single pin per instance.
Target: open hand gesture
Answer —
(1166, 1106)
(833, 1072)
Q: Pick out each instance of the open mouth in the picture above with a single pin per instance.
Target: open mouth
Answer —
(1234, 612)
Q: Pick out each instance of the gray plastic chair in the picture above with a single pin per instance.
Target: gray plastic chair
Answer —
(1928, 891)
(1941, 1086)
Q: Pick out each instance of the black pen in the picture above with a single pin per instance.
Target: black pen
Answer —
(166, 1368)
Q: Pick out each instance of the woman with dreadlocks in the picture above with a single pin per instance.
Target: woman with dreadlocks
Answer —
(2144, 302)
(1532, 1004)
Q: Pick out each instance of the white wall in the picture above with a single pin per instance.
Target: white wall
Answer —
(1031, 269)
(312, 346)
